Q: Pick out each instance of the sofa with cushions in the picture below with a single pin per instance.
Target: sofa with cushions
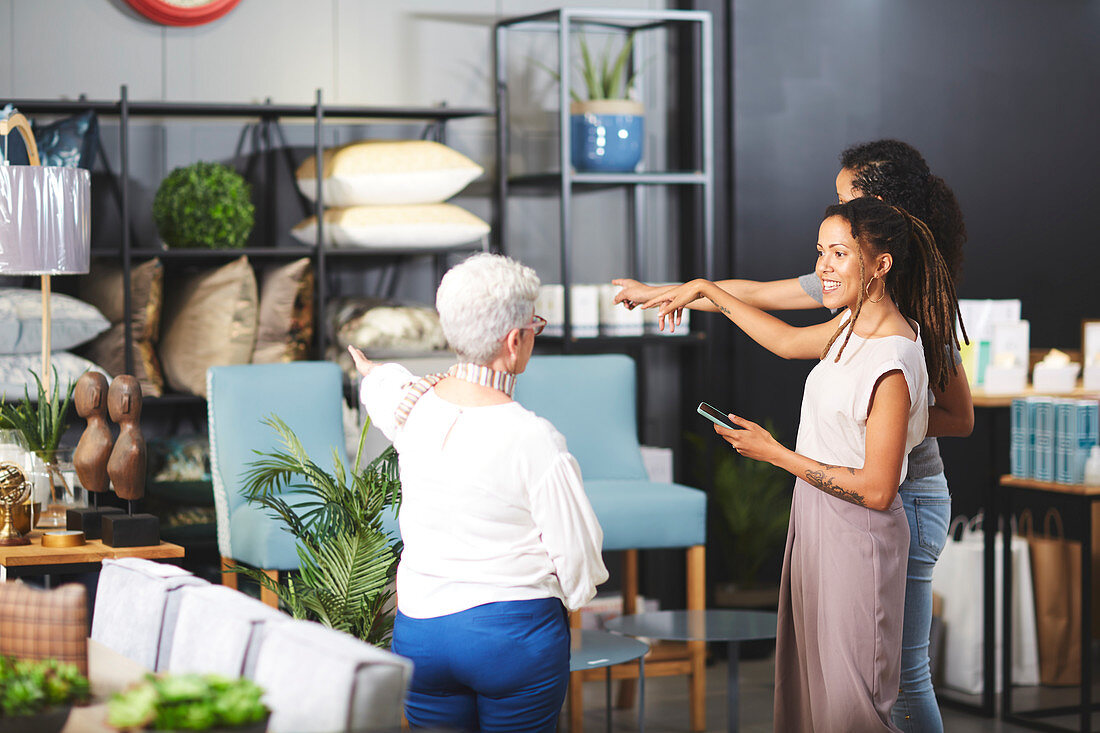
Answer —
(315, 678)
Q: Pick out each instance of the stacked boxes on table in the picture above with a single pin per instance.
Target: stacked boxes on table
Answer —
(1051, 438)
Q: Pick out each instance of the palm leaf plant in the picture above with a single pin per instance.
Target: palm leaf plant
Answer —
(347, 560)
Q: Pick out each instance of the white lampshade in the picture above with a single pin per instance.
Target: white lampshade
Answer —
(45, 220)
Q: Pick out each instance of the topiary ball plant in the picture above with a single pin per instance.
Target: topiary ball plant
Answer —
(204, 205)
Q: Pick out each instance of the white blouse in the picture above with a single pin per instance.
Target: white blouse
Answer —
(837, 400)
(493, 507)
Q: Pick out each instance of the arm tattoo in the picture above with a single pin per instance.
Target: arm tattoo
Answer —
(826, 483)
(720, 307)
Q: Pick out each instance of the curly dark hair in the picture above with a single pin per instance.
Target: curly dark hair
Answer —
(898, 174)
(919, 282)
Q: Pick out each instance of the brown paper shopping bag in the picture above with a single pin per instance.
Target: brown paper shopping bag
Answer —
(1056, 568)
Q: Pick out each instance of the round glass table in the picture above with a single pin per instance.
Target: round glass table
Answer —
(728, 625)
(590, 649)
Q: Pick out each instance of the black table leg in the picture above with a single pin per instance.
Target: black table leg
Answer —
(733, 688)
(607, 692)
(1086, 618)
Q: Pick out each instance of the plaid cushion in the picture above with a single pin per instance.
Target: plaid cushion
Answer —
(44, 624)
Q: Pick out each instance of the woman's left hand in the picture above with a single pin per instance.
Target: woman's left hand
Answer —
(751, 441)
(673, 301)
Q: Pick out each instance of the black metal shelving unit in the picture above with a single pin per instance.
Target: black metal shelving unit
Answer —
(695, 174)
(125, 110)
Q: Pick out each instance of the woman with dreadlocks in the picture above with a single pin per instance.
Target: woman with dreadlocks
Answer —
(865, 405)
(897, 173)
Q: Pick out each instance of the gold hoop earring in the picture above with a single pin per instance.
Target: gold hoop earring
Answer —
(867, 288)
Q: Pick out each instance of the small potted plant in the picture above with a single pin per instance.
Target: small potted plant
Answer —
(204, 205)
(607, 128)
(37, 695)
(42, 423)
(176, 702)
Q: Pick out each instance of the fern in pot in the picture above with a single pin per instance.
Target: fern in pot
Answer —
(347, 559)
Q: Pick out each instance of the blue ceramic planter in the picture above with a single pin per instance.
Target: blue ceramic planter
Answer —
(606, 139)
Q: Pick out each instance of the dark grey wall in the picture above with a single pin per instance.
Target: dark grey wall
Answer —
(1001, 96)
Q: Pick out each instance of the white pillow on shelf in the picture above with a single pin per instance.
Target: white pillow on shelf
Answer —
(410, 226)
(16, 378)
(72, 321)
(376, 172)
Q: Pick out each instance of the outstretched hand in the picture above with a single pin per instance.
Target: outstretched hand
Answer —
(751, 440)
(673, 301)
(362, 364)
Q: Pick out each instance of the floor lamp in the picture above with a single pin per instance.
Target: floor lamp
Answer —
(45, 223)
(45, 230)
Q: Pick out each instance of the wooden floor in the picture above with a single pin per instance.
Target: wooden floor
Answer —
(667, 699)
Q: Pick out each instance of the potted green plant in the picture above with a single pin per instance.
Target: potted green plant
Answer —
(173, 702)
(204, 205)
(347, 560)
(42, 423)
(36, 695)
(608, 128)
(753, 499)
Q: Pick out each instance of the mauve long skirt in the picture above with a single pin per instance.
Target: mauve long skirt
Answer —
(841, 600)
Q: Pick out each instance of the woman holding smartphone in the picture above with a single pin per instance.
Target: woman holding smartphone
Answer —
(896, 173)
(838, 656)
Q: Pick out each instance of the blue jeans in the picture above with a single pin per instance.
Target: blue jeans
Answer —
(501, 667)
(927, 505)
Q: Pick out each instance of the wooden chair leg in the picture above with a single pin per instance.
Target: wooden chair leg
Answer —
(229, 580)
(697, 651)
(627, 688)
(266, 595)
(576, 687)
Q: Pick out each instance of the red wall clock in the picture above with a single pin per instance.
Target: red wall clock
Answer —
(183, 12)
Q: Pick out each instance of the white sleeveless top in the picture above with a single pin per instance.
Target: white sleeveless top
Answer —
(833, 425)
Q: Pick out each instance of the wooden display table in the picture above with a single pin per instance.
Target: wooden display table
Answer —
(983, 399)
(34, 559)
(1074, 503)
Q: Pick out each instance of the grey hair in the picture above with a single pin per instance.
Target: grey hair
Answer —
(480, 300)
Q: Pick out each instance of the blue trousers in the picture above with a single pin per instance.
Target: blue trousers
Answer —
(497, 668)
(927, 505)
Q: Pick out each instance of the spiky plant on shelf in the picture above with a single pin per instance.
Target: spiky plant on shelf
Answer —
(347, 560)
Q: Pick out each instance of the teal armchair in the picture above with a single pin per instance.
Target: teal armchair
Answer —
(590, 399)
(308, 397)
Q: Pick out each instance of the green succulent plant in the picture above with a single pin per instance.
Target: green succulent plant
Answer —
(29, 686)
(347, 561)
(187, 702)
(204, 205)
(604, 77)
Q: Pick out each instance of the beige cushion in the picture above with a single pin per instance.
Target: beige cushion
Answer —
(209, 320)
(103, 289)
(419, 225)
(388, 172)
(285, 328)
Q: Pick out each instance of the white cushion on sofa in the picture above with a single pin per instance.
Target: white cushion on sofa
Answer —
(219, 630)
(388, 172)
(136, 606)
(318, 679)
(412, 226)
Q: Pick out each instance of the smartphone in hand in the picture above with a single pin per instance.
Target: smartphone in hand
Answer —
(715, 415)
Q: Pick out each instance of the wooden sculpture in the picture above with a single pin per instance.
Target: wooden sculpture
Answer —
(94, 449)
(126, 466)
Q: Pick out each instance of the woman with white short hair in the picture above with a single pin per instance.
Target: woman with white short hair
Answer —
(499, 537)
